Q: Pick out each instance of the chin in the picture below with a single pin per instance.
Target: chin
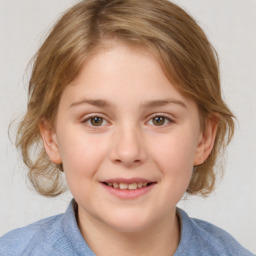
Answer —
(130, 223)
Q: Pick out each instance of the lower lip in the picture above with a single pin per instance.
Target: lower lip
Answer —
(127, 193)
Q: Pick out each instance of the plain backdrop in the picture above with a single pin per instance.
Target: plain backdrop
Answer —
(230, 26)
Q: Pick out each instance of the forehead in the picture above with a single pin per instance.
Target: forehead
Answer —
(118, 66)
(124, 80)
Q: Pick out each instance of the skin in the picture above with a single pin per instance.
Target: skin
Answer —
(127, 89)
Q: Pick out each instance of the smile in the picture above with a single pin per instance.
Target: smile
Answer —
(131, 186)
(128, 188)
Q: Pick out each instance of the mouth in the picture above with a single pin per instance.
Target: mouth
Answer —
(128, 185)
(128, 189)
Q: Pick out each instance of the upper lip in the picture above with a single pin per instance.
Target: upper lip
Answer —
(128, 181)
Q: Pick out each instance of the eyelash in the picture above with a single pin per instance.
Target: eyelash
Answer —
(166, 119)
(89, 119)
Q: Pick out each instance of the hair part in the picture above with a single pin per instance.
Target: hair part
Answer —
(187, 58)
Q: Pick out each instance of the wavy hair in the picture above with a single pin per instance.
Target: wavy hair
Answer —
(188, 59)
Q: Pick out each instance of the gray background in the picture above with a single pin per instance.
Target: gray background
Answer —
(230, 26)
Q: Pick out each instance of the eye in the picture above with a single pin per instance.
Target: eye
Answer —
(95, 121)
(159, 121)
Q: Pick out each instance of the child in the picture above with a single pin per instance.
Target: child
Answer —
(125, 99)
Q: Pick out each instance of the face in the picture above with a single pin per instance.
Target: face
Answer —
(127, 140)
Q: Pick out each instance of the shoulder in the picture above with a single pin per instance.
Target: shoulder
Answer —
(58, 235)
(36, 235)
(204, 238)
(216, 238)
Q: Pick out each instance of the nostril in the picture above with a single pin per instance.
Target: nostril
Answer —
(127, 162)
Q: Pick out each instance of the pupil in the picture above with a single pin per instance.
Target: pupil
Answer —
(96, 121)
(158, 120)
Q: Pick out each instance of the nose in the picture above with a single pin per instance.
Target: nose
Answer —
(128, 147)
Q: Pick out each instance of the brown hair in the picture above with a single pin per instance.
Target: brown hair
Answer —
(184, 52)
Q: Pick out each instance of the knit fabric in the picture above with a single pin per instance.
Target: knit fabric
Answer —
(60, 235)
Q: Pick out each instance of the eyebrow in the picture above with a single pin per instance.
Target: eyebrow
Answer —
(147, 104)
(94, 102)
(160, 103)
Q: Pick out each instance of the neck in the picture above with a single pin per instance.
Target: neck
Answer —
(159, 239)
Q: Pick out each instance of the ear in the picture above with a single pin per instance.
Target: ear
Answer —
(206, 140)
(50, 141)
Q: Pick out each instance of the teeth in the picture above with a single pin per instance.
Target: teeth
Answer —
(131, 186)
(140, 185)
(115, 185)
(123, 186)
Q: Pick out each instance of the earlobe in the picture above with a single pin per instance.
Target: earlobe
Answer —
(206, 141)
(50, 142)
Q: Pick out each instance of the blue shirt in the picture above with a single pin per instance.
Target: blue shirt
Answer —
(60, 235)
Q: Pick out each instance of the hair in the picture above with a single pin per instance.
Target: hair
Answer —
(187, 58)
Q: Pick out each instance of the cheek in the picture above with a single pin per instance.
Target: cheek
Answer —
(175, 153)
(81, 154)
(174, 159)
